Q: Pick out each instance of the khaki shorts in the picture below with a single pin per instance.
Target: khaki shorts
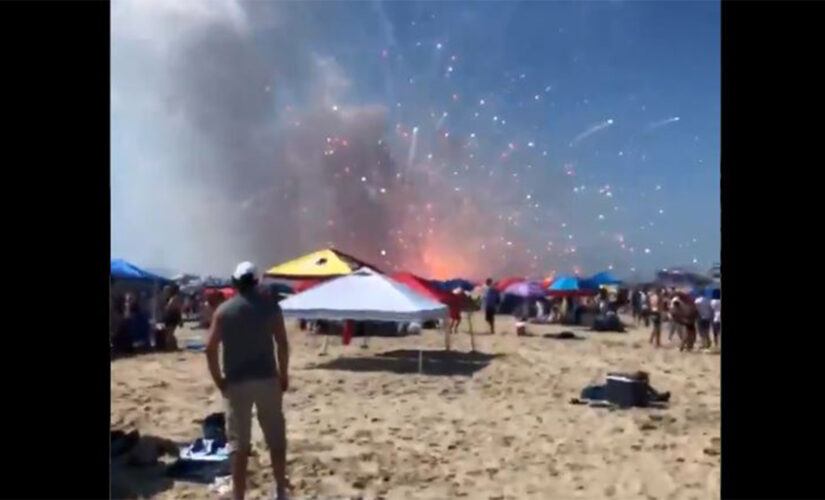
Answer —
(266, 396)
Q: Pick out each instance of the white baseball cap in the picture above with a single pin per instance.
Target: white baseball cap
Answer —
(245, 268)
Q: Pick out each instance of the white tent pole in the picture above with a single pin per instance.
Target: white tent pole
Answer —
(324, 347)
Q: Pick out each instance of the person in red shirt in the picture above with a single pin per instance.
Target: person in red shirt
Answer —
(455, 309)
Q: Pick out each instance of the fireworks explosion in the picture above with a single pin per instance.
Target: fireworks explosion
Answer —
(248, 137)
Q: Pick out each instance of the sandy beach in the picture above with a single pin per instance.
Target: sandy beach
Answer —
(362, 422)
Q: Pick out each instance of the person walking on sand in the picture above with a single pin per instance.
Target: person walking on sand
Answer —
(705, 317)
(636, 305)
(491, 300)
(656, 318)
(246, 325)
(716, 305)
(645, 307)
(675, 328)
(172, 318)
(685, 314)
(455, 306)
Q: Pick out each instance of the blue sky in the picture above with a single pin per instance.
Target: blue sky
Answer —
(594, 125)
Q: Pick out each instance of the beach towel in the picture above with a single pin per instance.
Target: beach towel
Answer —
(207, 458)
(202, 461)
(206, 450)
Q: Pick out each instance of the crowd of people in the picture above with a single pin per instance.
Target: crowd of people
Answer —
(253, 368)
(686, 316)
(131, 322)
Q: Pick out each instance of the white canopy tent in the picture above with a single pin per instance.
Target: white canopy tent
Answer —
(364, 295)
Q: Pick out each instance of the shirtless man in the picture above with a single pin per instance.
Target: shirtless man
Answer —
(685, 315)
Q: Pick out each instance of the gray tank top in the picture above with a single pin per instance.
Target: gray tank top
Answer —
(248, 345)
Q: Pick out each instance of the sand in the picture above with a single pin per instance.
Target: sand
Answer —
(359, 425)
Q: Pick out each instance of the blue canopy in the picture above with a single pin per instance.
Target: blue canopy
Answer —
(122, 270)
(571, 285)
(604, 278)
(707, 292)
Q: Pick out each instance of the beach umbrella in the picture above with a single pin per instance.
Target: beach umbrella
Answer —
(122, 270)
(322, 264)
(571, 286)
(526, 289)
(546, 282)
(452, 284)
(604, 278)
(423, 287)
(302, 285)
(503, 284)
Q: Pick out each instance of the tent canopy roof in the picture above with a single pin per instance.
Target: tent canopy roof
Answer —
(423, 287)
(571, 285)
(121, 270)
(363, 295)
(321, 264)
(605, 278)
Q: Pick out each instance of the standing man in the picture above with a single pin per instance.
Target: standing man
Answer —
(636, 305)
(491, 300)
(705, 316)
(656, 317)
(716, 305)
(246, 325)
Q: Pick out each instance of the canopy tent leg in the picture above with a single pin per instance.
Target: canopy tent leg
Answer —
(349, 331)
(444, 326)
(324, 347)
(364, 342)
(420, 361)
(472, 341)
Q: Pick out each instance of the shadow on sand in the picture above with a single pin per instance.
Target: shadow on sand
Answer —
(435, 362)
(129, 479)
(557, 336)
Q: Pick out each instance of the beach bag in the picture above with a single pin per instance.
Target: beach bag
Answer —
(214, 427)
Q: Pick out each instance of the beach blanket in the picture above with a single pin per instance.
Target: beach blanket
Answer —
(206, 458)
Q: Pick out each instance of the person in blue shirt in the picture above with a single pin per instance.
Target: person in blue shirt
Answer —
(491, 300)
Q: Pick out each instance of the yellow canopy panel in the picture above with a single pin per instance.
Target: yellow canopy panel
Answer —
(320, 264)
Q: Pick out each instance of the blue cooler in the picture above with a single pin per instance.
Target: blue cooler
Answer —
(626, 392)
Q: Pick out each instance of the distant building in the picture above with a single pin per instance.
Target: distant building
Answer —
(716, 271)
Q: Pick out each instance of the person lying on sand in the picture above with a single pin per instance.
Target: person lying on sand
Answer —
(246, 325)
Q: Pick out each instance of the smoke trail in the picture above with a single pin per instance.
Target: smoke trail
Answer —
(662, 123)
(413, 147)
(592, 130)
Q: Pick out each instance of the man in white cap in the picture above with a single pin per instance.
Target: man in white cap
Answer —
(246, 325)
